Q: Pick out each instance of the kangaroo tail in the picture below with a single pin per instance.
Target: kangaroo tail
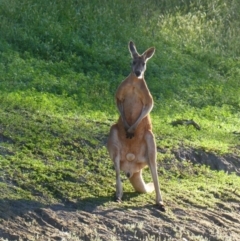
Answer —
(139, 185)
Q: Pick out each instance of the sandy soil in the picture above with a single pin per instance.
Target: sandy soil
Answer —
(24, 220)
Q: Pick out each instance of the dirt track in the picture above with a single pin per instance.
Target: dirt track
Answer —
(24, 220)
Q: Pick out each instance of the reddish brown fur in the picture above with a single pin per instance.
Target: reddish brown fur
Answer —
(131, 143)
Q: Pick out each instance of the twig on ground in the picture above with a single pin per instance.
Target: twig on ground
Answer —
(186, 122)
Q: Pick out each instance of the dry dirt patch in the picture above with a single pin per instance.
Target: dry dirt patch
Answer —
(24, 220)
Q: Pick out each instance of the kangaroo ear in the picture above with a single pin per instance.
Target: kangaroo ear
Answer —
(132, 49)
(149, 53)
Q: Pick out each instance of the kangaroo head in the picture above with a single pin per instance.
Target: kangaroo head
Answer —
(139, 61)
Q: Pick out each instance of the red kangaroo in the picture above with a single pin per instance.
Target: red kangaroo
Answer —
(131, 143)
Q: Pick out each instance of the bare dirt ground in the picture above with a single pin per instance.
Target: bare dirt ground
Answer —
(24, 220)
(93, 220)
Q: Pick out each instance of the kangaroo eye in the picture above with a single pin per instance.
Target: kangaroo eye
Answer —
(143, 63)
(134, 62)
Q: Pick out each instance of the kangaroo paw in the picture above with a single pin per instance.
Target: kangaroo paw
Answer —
(129, 135)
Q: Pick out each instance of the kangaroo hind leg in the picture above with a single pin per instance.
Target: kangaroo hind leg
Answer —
(152, 163)
(113, 147)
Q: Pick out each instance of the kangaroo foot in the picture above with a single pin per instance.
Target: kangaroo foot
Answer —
(161, 207)
(117, 199)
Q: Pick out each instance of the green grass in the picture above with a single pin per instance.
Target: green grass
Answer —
(60, 65)
(49, 158)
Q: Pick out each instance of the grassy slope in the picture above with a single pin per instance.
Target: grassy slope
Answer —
(60, 64)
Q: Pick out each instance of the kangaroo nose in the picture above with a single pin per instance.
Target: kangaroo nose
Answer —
(137, 73)
(128, 174)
